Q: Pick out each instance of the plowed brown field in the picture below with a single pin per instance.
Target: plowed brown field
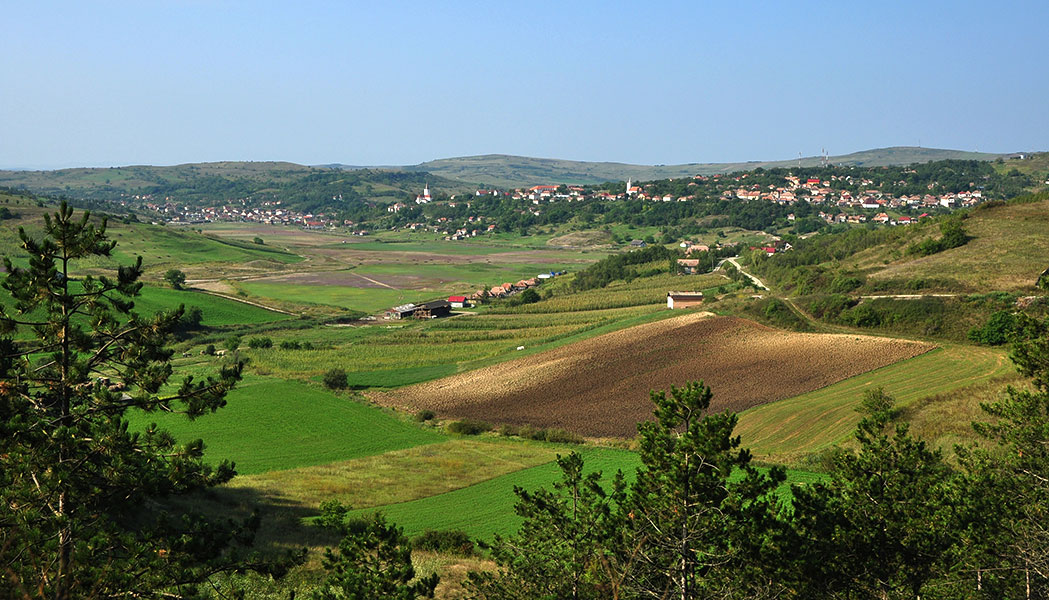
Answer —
(599, 387)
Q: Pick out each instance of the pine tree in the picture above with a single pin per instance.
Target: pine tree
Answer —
(86, 504)
(564, 548)
(888, 521)
(1013, 476)
(373, 561)
(698, 509)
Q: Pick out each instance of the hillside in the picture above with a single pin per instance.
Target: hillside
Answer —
(1008, 249)
(511, 171)
(218, 182)
(224, 182)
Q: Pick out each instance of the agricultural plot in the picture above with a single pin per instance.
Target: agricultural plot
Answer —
(269, 424)
(785, 431)
(395, 354)
(487, 508)
(599, 387)
(217, 311)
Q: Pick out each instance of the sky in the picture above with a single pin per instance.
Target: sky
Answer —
(108, 83)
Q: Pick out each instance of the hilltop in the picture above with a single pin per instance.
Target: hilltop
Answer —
(506, 170)
(217, 183)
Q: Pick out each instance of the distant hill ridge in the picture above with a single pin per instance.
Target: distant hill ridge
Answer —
(506, 170)
(449, 175)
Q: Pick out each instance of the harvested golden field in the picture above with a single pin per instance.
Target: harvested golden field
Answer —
(599, 387)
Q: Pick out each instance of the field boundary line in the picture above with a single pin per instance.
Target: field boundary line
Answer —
(243, 301)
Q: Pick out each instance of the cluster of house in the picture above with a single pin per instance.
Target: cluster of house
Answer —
(509, 289)
(815, 191)
(881, 217)
(443, 308)
(270, 212)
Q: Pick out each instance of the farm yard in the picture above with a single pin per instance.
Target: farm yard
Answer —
(599, 387)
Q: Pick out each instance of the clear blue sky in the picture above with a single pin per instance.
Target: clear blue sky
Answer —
(400, 82)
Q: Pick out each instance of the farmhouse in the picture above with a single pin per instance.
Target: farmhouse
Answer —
(689, 266)
(684, 299)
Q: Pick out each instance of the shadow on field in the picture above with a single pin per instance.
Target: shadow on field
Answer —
(282, 523)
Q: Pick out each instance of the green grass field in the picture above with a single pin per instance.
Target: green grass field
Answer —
(217, 311)
(487, 508)
(785, 432)
(270, 424)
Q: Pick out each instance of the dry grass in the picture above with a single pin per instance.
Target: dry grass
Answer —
(599, 387)
(398, 476)
(1008, 251)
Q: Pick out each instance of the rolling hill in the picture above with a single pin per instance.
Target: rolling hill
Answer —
(216, 182)
(505, 170)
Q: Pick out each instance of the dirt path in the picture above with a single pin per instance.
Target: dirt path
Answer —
(910, 296)
(376, 282)
(242, 300)
(757, 282)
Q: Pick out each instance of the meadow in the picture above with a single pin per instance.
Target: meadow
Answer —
(271, 424)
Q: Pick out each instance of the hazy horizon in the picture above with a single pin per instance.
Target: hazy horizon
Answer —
(167, 83)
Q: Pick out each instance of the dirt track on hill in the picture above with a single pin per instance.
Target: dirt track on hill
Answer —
(600, 387)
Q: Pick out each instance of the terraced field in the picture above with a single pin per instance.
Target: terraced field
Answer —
(599, 387)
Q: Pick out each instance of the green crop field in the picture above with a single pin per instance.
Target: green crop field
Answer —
(270, 424)
(217, 311)
(394, 353)
(786, 431)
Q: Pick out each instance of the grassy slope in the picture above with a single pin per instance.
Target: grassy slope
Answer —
(217, 311)
(161, 248)
(788, 430)
(1010, 247)
(269, 424)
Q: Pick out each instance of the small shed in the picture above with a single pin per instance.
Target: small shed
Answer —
(457, 301)
(684, 299)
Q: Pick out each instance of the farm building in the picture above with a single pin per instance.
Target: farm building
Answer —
(688, 266)
(457, 301)
(684, 299)
(432, 310)
(400, 312)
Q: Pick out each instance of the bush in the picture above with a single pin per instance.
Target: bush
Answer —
(468, 427)
(209, 349)
(260, 342)
(424, 415)
(335, 379)
(290, 345)
(842, 284)
(452, 541)
(232, 343)
(997, 331)
(560, 436)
